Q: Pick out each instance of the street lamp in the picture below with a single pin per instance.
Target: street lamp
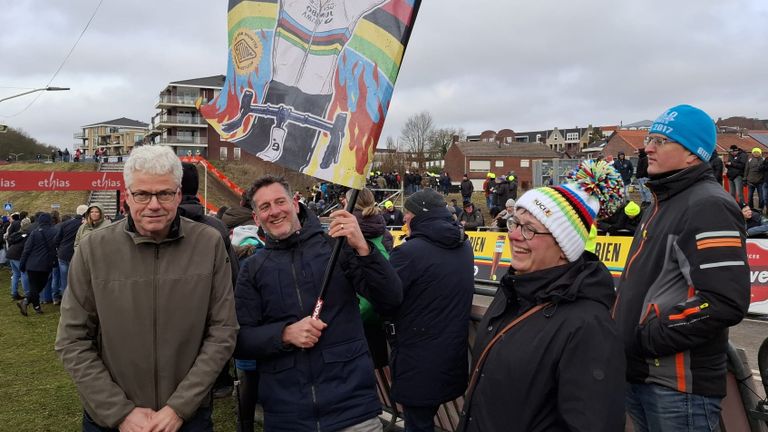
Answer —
(15, 155)
(49, 88)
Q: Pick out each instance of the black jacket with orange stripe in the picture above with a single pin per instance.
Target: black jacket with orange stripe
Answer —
(685, 282)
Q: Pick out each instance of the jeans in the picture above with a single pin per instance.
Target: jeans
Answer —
(18, 275)
(764, 188)
(762, 229)
(63, 272)
(199, 422)
(419, 419)
(645, 193)
(654, 408)
(737, 186)
(760, 196)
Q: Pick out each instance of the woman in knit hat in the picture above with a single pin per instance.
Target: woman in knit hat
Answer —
(547, 355)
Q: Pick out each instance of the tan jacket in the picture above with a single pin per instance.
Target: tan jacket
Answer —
(147, 324)
(86, 228)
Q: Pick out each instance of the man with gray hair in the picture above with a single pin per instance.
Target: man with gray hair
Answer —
(148, 320)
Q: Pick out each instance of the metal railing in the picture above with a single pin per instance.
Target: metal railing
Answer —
(178, 120)
(180, 100)
(183, 140)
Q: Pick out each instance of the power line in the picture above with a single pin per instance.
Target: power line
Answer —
(69, 54)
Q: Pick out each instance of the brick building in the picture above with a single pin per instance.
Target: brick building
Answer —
(481, 157)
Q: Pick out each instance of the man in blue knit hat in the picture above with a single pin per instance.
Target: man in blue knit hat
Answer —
(687, 281)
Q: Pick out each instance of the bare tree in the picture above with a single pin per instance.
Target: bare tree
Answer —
(416, 135)
(442, 139)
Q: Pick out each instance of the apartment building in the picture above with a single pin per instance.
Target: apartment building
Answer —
(115, 137)
(178, 123)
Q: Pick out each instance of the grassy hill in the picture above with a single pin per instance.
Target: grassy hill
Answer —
(244, 173)
(17, 143)
(33, 201)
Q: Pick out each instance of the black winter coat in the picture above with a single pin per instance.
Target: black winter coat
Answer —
(39, 253)
(375, 226)
(191, 208)
(467, 188)
(561, 369)
(65, 238)
(429, 350)
(332, 385)
(16, 239)
(625, 168)
(737, 164)
(717, 167)
(686, 282)
(642, 166)
(393, 218)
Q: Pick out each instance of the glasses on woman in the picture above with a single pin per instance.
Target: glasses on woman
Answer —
(164, 196)
(527, 231)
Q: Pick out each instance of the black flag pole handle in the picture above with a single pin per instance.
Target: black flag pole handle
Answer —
(332, 263)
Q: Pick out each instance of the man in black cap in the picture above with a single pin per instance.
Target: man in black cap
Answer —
(429, 332)
(735, 172)
(466, 188)
(191, 208)
(471, 218)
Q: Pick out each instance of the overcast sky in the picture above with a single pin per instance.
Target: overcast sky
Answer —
(480, 64)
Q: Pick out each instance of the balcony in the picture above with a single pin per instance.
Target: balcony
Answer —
(174, 100)
(79, 136)
(164, 121)
(183, 141)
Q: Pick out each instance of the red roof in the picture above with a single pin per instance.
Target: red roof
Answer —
(746, 143)
(634, 138)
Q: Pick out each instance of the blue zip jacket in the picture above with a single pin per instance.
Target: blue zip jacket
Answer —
(332, 385)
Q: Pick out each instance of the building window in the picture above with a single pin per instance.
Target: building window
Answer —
(222, 153)
(236, 153)
(499, 164)
(572, 136)
(479, 166)
(538, 137)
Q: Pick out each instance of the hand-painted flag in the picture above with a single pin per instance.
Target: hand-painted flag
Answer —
(309, 81)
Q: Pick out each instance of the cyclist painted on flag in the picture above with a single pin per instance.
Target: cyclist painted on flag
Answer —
(309, 81)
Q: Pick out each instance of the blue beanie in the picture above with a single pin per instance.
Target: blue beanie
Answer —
(690, 127)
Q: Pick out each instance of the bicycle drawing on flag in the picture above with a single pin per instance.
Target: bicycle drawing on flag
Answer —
(309, 82)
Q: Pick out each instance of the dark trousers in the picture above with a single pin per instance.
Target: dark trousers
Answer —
(249, 396)
(420, 419)
(37, 282)
(200, 422)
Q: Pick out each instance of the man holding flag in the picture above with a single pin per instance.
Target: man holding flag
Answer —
(315, 374)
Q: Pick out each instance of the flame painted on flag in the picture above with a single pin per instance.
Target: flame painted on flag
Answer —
(309, 82)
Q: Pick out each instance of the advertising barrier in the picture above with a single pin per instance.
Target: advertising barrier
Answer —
(60, 181)
(493, 257)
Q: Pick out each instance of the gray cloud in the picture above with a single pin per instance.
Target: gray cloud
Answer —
(485, 64)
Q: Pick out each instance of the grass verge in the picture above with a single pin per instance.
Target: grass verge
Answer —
(37, 394)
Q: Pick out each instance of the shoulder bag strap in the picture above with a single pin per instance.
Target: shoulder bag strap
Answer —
(481, 360)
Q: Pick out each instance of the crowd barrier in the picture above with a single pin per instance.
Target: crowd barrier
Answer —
(492, 259)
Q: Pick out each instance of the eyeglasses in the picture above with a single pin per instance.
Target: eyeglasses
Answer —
(163, 196)
(656, 141)
(526, 230)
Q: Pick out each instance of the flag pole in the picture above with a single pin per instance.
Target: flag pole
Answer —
(334, 258)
